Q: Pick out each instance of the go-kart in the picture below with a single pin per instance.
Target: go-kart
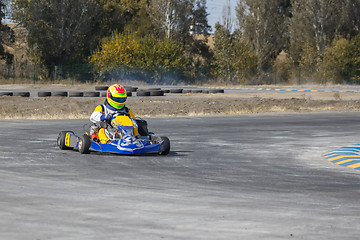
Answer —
(122, 140)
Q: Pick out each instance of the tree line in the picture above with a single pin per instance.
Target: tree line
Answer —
(167, 41)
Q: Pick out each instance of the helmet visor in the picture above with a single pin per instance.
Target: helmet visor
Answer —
(119, 99)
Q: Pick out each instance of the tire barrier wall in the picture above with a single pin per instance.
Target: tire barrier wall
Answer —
(44, 94)
(59, 94)
(101, 88)
(76, 94)
(176, 90)
(6, 93)
(142, 93)
(91, 94)
(21, 94)
(100, 91)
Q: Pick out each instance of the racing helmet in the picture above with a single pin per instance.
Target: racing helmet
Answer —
(116, 96)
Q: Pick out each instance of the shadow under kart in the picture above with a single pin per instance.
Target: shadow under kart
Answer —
(120, 131)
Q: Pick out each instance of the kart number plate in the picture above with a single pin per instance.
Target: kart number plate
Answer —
(67, 138)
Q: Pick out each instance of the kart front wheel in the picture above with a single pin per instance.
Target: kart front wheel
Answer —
(84, 144)
(165, 146)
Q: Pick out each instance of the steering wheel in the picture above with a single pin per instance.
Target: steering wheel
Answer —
(102, 124)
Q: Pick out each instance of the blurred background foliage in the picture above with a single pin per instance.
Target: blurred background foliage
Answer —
(148, 58)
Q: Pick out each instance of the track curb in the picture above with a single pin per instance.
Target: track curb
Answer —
(288, 90)
(345, 156)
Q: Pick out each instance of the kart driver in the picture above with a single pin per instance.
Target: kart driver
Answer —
(115, 102)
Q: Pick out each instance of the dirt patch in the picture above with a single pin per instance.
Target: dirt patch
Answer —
(75, 108)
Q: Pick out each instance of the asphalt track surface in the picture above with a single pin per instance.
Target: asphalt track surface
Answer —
(235, 177)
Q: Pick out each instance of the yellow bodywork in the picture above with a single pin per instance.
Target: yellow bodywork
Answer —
(118, 121)
(102, 136)
(122, 121)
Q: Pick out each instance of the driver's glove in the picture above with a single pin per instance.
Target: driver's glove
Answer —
(106, 117)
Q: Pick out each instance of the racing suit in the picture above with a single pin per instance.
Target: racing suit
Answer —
(104, 110)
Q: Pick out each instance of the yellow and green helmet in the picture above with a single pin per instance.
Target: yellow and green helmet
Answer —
(116, 96)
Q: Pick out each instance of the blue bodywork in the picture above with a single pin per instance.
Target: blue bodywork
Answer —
(123, 146)
(126, 145)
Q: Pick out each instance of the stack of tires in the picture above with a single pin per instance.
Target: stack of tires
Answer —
(100, 91)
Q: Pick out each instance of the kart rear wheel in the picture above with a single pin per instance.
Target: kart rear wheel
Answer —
(61, 141)
(84, 144)
(165, 146)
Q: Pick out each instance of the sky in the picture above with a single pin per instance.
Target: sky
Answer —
(215, 10)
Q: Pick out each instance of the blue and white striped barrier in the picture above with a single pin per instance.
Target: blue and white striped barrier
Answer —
(289, 90)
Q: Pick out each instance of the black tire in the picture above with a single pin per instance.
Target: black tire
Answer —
(196, 91)
(130, 89)
(187, 91)
(129, 94)
(151, 89)
(44, 94)
(101, 88)
(165, 146)
(91, 94)
(6, 93)
(166, 91)
(59, 94)
(142, 93)
(142, 90)
(156, 93)
(61, 141)
(142, 127)
(76, 94)
(176, 90)
(103, 94)
(216, 90)
(84, 144)
(21, 94)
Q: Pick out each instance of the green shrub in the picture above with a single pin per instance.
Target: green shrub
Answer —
(338, 60)
(127, 54)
